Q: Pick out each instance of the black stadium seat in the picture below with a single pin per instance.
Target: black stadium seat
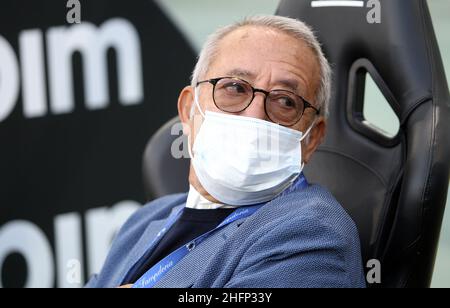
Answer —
(394, 188)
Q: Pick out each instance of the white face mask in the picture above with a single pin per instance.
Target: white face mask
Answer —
(241, 160)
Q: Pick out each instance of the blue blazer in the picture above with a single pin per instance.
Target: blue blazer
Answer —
(300, 239)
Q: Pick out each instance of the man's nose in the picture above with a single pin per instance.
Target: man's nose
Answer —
(256, 108)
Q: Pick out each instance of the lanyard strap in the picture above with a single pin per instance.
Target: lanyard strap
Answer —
(159, 270)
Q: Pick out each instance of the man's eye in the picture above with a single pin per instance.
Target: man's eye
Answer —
(285, 102)
(235, 88)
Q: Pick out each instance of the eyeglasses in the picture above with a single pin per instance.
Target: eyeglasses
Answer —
(234, 95)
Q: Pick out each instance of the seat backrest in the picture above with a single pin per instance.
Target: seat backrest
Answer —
(164, 173)
(394, 188)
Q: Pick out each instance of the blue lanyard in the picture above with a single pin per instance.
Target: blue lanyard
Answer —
(153, 275)
(159, 270)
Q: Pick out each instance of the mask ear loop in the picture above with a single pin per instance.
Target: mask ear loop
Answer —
(189, 147)
(196, 104)
(308, 130)
(306, 135)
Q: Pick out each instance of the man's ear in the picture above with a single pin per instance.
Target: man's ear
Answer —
(316, 137)
(185, 101)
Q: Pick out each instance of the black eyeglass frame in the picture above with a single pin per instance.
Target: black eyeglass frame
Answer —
(214, 82)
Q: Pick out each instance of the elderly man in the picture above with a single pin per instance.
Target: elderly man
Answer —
(254, 115)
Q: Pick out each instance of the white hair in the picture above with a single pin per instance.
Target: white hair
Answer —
(293, 27)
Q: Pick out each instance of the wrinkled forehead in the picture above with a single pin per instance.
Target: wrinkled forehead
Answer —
(261, 50)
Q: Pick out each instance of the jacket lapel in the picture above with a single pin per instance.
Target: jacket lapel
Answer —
(145, 246)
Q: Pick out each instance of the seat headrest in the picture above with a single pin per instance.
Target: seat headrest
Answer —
(392, 35)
